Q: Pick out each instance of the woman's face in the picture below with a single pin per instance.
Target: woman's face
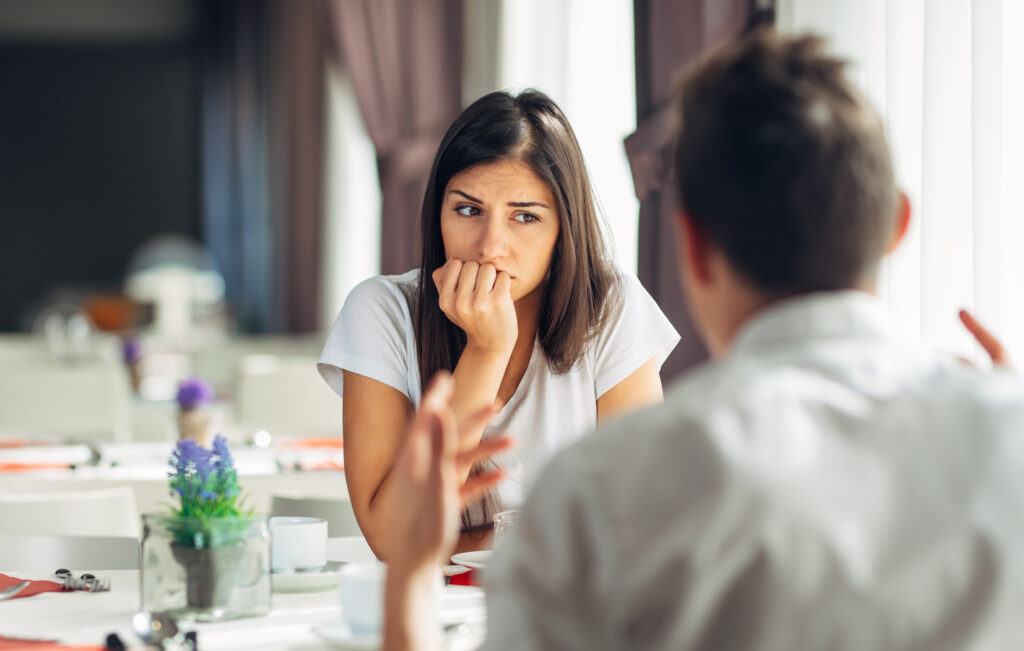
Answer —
(504, 214)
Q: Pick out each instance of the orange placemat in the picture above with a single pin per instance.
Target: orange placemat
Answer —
(26, 467)
(316, 442)
(33, 588)
(10, 644)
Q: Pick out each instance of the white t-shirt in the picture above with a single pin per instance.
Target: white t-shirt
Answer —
(826, 486)
(373, 336)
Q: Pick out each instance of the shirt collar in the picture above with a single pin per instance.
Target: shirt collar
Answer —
(820, 315)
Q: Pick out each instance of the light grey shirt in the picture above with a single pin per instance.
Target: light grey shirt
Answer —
(824, 487)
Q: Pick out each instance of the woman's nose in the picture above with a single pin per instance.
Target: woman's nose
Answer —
(493, 240)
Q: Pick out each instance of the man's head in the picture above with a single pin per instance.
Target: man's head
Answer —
(784, 179)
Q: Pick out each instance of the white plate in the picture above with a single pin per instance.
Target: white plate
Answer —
(322, 578)
(339, 636)
(476, 560)
(452, 570)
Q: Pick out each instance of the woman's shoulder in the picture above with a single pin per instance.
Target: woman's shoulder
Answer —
(384, 290)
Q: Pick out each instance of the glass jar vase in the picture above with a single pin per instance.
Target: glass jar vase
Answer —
(206, 570)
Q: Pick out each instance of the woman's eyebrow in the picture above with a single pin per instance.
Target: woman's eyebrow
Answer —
(527, 204)
(471, 198)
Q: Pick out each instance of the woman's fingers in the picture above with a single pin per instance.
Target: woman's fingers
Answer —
(485, 280)
(992, 346)
(503, 284)
(447, 282)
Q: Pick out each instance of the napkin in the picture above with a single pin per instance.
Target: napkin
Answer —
(471, 577)
(24, 467)
(316, 442)
(11, 643)
(33, 588)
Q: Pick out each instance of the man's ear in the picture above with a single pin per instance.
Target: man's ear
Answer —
(902, 222)
(694, 247)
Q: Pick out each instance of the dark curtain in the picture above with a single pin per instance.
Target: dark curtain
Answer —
(262, 156)
(405, 58)
(234, 169)
(668, 34)
(300, 36)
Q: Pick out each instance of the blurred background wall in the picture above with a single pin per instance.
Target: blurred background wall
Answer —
(287, 142)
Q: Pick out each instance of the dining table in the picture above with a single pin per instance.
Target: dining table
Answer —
(297, 620)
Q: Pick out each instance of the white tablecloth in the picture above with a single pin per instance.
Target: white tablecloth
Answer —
(83, 618)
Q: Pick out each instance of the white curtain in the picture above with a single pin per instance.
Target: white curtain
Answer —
(351, 236)
(948, 78)
(580, 52)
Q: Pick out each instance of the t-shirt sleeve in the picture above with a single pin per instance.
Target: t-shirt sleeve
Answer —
(638, 332)
(369, 337)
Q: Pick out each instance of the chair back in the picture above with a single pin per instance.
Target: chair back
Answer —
(285, 394)
(102, 512)
(76, 553)
(90, 400)
(341, 519)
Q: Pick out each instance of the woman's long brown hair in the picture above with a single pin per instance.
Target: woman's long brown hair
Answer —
(578, 296)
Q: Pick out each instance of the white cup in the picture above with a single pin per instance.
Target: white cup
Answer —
(297, 543)
(362, 596)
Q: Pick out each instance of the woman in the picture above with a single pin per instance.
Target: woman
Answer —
(515, 296)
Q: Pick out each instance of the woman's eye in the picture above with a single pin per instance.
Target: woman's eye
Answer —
(468, 211)
(526, 218)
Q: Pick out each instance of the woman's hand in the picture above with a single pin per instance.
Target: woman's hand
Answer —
(992, 346)
(478, 299)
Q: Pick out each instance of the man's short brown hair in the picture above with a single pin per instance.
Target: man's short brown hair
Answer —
(784, 165)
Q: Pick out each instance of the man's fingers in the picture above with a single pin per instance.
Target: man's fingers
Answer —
(478, 419)
(992, 346)
(489, 447)
(477, 487)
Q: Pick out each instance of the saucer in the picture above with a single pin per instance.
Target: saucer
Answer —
(340, 636)
(453, 570)
(321, 578)
(476, 560)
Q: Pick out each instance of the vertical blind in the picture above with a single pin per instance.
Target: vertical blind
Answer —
(947, 77)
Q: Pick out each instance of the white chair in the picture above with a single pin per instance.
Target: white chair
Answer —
(104, 512)
(285, 394)
(47, 399)
(341, 519)
(75, 553)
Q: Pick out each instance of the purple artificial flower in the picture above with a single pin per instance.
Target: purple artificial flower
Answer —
(221, 453)
(190, 458)
(132, 350)
(193, 392)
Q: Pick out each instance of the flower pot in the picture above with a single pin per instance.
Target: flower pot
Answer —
(206, 570)
(209, 574)
(194, 423)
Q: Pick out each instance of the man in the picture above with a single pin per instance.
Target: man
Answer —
(821, 485)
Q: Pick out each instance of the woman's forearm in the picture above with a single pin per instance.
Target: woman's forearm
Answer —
(477, 377)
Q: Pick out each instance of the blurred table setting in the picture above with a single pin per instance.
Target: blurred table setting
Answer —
(297, 619)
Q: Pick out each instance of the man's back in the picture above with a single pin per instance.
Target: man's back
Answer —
(826, 487)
